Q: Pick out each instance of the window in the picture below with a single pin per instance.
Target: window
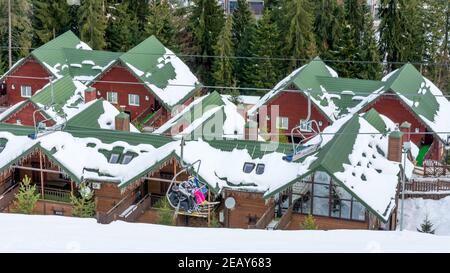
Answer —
(112, 97)
(305, 126)
(133, 99)
(126, 159)
(114, 158)
(282, 122)
(25, 91)
(2, 147)
(260, 168)
(248, 167)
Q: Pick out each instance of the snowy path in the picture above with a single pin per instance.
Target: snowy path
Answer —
(438, 213)
(55, 233)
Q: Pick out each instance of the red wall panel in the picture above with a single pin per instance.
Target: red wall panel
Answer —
(25, 115)
(30, 68)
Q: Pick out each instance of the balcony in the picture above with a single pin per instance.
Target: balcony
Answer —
(57, 195)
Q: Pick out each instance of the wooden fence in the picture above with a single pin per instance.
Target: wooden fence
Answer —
(433, 189)
(435, 168)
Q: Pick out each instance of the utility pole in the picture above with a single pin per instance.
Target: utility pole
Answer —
(9, 34)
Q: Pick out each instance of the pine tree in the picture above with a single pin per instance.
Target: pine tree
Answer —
(264, 73)
(84, 205)
(327, 26)
(92, 23)
(165, 212)
(243, 32)
(347, 52)
(309, 223)
(223, 66)
(300, 41)
(205, 23)
(121, 24)
(162, 23)
(27, 197)
(21, 28)
(50, 19)
(426, 226)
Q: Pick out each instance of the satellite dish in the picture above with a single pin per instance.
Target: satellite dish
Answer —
(230, 203)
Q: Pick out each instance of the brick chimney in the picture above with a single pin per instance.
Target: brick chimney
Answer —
(90, 94)
(251, 130)
(122, 121)
(405, 128)
(395, 144)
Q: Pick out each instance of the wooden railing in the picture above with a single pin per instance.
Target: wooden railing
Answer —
(8, 196)
(435, 168)
(266, 218)
(154, 118)
(138, 210)
(286, 218)
(115, 211)
(6, 184)
(55, 195)
(432, 186)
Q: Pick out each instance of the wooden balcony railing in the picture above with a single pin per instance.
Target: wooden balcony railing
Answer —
(8, 196)
(432, 186)
(55, 195)
(435, 168)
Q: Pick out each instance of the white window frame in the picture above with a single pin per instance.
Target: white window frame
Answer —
(304, 127)
(126, 159)
(25, 88)
(281, 121)
(132, 101)
(112, 97)
(114, 159)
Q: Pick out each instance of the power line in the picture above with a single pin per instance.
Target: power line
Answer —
(259, 57)
(218, 87)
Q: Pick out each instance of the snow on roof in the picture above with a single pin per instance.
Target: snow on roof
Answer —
(244, 99)
(211, 108)
(83, 45)
(15, 146)
(11, 110)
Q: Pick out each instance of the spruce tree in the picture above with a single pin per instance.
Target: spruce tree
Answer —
(27, 197)
(223, 65)
(92, 23)
(243, 32)
(347, 54)
(205, 23)
(165, 212)
(299, 41)
(369, 51)
(264, 73)
(139, 10)
(309, 223)
(328, 26)
(426, 226)
(121, 24)
(51, 18)
(84, 204)
(162, 23)
(21, 28)
(402, 32)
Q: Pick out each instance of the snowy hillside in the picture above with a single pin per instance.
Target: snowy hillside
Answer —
(65, 234)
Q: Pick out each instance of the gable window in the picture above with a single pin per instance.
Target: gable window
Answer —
(25, 91)
(248, 167)
(126, 159)
(112, 97)
(114, 158)
(133, 99)
(282, 122)
(260, 168)
(305, 126)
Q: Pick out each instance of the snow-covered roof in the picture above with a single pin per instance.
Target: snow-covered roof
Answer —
(164, 74)
(197, 119)
(304, 79)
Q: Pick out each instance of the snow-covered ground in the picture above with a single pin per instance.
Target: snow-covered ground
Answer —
(35, 233)
(438, 212)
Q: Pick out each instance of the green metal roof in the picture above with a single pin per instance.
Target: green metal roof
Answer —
(256, 149)
(374, 118)
(100, 59)
(146, 57)
(196, 111)
(407, 82)
(63, 90)
(110, 136)
(88, 118)
(18, 130)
